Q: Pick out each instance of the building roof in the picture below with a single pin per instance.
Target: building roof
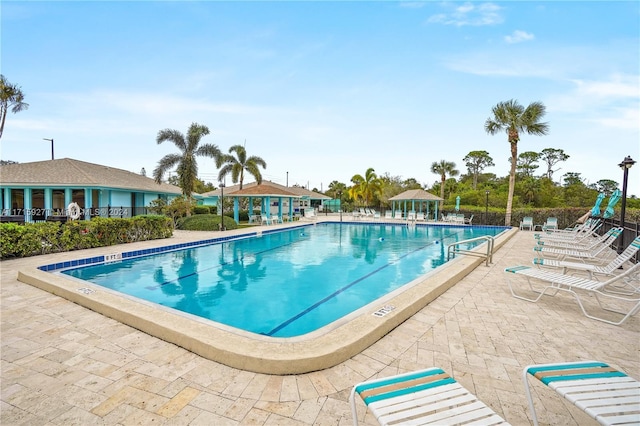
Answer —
(67, 172)
(415, 195)
(267, 188)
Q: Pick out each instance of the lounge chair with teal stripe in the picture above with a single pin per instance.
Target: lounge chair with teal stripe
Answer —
(556, 282)
(598, 253)
(588, 228)
(591, 269)
(604, 393)
(583, 244)
(425, 397)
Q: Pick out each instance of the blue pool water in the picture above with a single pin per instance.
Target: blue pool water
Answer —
(288, 283)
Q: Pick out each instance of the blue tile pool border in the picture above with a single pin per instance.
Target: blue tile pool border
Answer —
(155, 250)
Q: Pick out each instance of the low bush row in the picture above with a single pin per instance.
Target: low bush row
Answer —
(52, 237)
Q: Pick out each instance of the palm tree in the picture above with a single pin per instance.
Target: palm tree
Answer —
(513, 118)
(190, 148)
(11, 97)
(238, 164)
(365, 187)
(444, 168)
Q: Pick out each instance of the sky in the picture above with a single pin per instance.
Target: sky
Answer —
(324, 90)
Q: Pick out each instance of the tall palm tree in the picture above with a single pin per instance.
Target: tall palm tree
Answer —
(365, 187)
(513, 118)
(238, 164)
(190, 148)
(444, 168)
(11, 97)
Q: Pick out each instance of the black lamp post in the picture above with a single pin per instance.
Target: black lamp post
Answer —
(340, 204)
(50, 140)
(221, 206)
(486, 208)
(625, 166)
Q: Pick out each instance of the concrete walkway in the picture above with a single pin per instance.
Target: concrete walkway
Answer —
(63, 364)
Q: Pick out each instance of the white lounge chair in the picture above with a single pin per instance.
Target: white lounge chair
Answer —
(588, 226)
(608, 270)
(276, 219)
(425, 397)
(411, 216)
(599, 252)
(604, 393)
(584, 244)
(397, 215)
(265, 220)
(469, 221)
(310, 214)
(388, 214)
(555, 282)
(420, 217)
(575, 233)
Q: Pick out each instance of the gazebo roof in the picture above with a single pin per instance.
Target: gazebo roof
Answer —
(415, 195)
(267, 188)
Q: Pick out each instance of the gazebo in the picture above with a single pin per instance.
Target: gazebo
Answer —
(416, 198)
(266, 191)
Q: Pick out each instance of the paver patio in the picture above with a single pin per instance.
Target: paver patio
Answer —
(63, 364)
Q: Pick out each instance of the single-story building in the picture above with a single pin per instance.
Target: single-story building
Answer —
(41, 189)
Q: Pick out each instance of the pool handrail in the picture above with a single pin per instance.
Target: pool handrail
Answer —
(453, 249)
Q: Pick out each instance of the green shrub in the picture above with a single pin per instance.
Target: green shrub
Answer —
(201, 210)
(205, 222)
(52, 237)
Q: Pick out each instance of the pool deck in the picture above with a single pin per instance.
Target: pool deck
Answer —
(64, 364)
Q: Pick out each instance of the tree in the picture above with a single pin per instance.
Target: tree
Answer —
(513, 118)
(11, 97)
(190, 148)
(572, 178)
(444, 168)
(551, 157)
(411, 183)
(238, 164)
(336, 188)
(476, 162)
(526, 163)
(606, 186)
(366, 187)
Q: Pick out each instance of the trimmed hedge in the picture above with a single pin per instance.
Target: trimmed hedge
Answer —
(205, 222)
(33, 239)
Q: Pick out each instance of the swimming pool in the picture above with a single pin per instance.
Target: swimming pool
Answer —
(287, 283)
(312, 351)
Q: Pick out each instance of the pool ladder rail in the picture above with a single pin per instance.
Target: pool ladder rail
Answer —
(453, 249)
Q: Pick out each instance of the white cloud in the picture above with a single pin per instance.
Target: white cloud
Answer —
(614, 102)
(518, 36)
(471, 14)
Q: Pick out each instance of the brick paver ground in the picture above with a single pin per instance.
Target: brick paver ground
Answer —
(63, 364)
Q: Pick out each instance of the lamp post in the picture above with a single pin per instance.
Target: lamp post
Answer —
(625, 166)
(486, 208)
(340, 204)
(50, 140)
(221, 206)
